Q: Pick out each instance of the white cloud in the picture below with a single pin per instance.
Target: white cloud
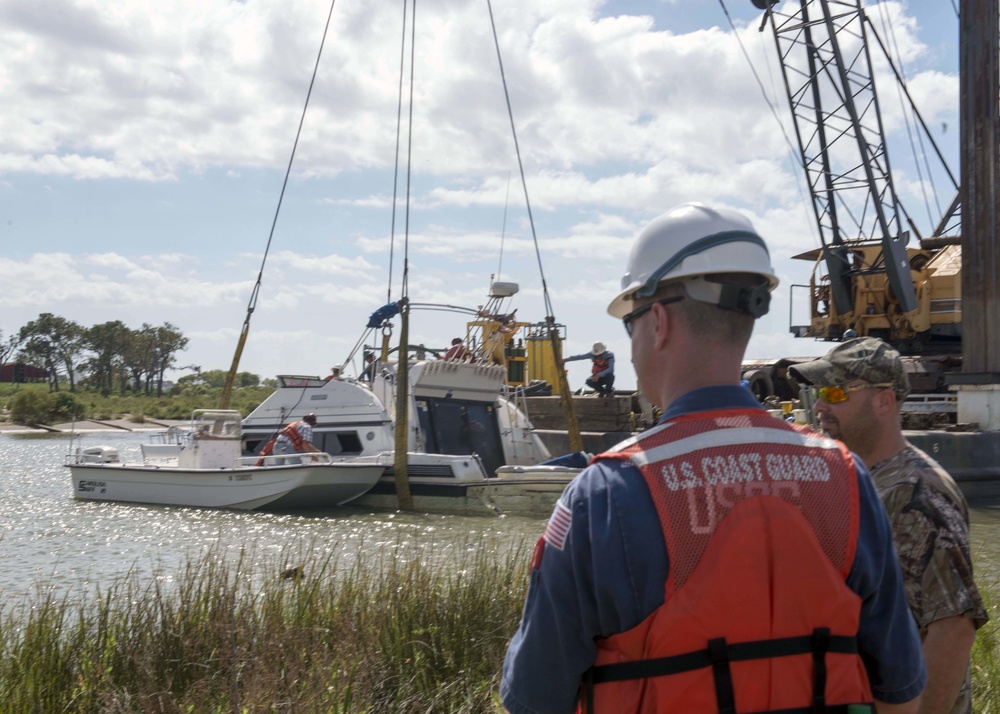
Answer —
(618, 118)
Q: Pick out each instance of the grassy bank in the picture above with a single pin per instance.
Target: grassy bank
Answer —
(32, 403)
(388, 634)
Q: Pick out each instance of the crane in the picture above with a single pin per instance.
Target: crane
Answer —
(869, 277)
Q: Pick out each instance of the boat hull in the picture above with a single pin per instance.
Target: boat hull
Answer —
(441, 483)
(307, 485)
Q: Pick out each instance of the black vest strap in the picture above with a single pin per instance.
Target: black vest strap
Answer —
(821, 645)
(720, 654)
(725, 694)
(738, 652)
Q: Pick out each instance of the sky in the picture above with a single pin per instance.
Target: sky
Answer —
(144, 148)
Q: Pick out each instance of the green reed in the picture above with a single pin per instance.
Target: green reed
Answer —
(986, 655)
(389, 633)
(394, 631)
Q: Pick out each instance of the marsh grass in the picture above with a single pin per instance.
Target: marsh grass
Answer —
(395, 631)
(390, 633)
(986, 655)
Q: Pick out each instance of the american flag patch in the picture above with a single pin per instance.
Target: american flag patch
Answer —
(558, 527)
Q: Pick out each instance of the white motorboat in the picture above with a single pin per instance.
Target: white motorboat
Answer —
(202, 465)
(461, 430)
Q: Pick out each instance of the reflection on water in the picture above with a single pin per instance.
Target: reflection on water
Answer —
(49, 539)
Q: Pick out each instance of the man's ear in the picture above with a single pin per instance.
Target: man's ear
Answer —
(662, 325)
(884, 402)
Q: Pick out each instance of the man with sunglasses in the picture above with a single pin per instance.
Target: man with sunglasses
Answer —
(723, 560)
(860, 385)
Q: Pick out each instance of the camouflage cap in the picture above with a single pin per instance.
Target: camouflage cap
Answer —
(866, 358)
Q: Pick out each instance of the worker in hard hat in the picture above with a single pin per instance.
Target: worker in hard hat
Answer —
(602, 374)
(723, 560)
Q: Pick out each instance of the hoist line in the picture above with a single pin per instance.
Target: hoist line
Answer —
(520, 165)
(572, 425)
(395, 175)
(503, 228)
(770, 105)
(890, 31)
(409, 156)
(255, 293)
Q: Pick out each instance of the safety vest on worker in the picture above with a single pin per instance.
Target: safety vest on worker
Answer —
(291, 432)
(600, 364)
(760, 523)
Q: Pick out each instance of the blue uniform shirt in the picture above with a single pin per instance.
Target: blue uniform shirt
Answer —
(610, 573)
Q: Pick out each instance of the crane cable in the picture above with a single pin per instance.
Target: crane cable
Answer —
(255, 293)
(793, 152)
(395, 175)
(572, 426)
(900, 85)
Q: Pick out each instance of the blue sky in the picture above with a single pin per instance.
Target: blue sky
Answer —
(143, 148)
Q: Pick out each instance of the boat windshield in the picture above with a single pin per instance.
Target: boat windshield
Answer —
(295, 380)
(216, 424)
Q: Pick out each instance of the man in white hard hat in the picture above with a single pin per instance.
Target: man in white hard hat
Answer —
(723, 560)
(602, 373)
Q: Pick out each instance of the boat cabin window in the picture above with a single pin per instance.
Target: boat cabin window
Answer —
(295, 380)
(343, 443)
(453, 426)
(339, 443)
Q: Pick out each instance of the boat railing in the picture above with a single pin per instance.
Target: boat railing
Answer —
(175, 435)
(938, 403)
(310, 459)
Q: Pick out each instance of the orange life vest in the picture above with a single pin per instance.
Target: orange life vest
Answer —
(760, 522)
(599, 366)
(291, 432)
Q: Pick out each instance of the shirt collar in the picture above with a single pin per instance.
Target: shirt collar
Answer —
(722, 396)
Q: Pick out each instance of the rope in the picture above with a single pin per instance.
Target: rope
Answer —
(291, 159)
(792, 151)
(404, 291)
(395, 175)
(520, 166)
(503, 229)
(888, 28)
(255, 293)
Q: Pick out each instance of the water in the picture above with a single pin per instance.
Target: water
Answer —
(52, 541)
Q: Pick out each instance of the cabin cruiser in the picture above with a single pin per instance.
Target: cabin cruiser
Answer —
(201, 464)
(462, 427)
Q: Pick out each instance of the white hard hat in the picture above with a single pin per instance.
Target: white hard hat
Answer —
(598, 349)
(688, 242)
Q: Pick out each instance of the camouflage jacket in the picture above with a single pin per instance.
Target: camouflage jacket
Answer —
(930, 525)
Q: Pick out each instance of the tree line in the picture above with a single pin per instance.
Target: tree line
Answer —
(105, 357)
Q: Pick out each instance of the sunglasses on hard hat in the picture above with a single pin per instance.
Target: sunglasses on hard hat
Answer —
(640, 311)
(837, 394)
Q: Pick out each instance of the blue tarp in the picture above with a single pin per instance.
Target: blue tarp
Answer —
(386, 312)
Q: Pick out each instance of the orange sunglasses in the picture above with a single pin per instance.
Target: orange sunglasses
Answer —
(837, 394)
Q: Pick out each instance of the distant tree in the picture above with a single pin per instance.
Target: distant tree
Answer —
(57, 343)
(8, 347)
(137, 358)
(106, 364)
(167, 342)
(216, 378)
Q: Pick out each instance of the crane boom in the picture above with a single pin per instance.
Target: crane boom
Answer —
(874, 281)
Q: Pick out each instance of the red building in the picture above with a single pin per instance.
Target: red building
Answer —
(21, 372)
